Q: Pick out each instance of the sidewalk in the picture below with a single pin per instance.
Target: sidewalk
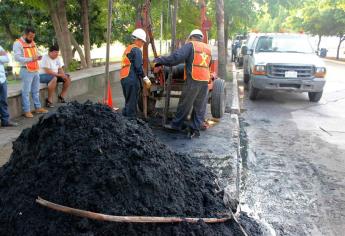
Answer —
(83, 81)
(8, 135)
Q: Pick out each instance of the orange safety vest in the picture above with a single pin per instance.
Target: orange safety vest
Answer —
(201, 61)
(30, 50)
(125, 62)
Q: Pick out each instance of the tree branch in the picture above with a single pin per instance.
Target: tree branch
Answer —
(126, 219)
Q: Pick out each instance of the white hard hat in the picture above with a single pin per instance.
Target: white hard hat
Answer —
(140, 34)
(196, 32)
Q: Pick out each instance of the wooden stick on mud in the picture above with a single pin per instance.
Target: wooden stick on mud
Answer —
(126, 219)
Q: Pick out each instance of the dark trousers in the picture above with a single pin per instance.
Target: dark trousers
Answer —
(194, 95)
(3, 104)
(130, 88)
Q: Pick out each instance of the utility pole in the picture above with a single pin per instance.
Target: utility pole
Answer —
(173, 27)
(167, 25)
(161, 39)
(107, 77)
(220, 35)
(167, 86)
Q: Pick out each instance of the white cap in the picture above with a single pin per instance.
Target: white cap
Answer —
(139, 34)
(196, 32)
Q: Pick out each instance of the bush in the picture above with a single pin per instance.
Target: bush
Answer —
(74, 65)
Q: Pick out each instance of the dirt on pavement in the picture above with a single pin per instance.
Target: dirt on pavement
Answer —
(87, 157)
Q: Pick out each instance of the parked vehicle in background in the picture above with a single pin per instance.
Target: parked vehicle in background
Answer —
(236, 45)
(323, 52)
(279, 61)
(239, 55)
(244, 51)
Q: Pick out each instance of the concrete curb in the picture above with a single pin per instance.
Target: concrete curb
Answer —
(235, 112)
(235, 105)
(82, 82)
(334, 61)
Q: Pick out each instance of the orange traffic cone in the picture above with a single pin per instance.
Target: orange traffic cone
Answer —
(109, 99)
(109, 96)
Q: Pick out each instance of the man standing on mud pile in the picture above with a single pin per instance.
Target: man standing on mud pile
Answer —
(132, 72)
(25, 52)
(197, 58)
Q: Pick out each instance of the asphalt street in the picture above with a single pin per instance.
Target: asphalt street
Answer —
(294, 158)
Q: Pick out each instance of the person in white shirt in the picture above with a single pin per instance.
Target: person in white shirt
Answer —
(51, 73)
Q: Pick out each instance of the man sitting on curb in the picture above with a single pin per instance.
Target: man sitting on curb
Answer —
(4, 115)
(51, 73)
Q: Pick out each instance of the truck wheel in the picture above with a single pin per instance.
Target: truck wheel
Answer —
(245, 78)
(253, 92)
(315, 96)
(151, 104)
(218, 97)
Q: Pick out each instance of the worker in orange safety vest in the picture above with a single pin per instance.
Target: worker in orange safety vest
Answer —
(26, 53)
(132, 73)
(197, 58)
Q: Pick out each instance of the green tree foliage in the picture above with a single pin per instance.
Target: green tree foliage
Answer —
(127, 12)
(97, 18)
(241, 15)
(275, 13)
(321, 18)
(16, 16)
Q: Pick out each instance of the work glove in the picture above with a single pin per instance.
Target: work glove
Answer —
(147, 82)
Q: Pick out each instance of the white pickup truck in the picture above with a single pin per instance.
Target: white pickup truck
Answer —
(279, 61)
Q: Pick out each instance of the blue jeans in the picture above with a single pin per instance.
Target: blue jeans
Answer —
(46, 78)
(3, 104)
(30, 83)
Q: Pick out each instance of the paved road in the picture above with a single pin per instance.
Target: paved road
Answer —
(294, 159)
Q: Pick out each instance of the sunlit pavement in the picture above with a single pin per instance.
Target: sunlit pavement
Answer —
(294, 158)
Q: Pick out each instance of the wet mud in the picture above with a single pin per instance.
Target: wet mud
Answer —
(292, 179)
(87, 157)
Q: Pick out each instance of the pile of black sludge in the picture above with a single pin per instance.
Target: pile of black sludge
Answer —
(85, 156)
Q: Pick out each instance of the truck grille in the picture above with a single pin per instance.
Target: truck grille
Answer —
(278, 70)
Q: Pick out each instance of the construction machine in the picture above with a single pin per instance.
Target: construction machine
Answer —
(168, 83)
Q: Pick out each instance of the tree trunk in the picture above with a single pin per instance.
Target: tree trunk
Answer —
(60, 23)
(341, 39)
(319, 42)
(86, 31)
(64, 30)
(80, 52)
(220, 36)
(57, 27)
(226, 33)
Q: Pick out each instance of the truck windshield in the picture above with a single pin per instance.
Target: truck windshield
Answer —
(283, 43)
